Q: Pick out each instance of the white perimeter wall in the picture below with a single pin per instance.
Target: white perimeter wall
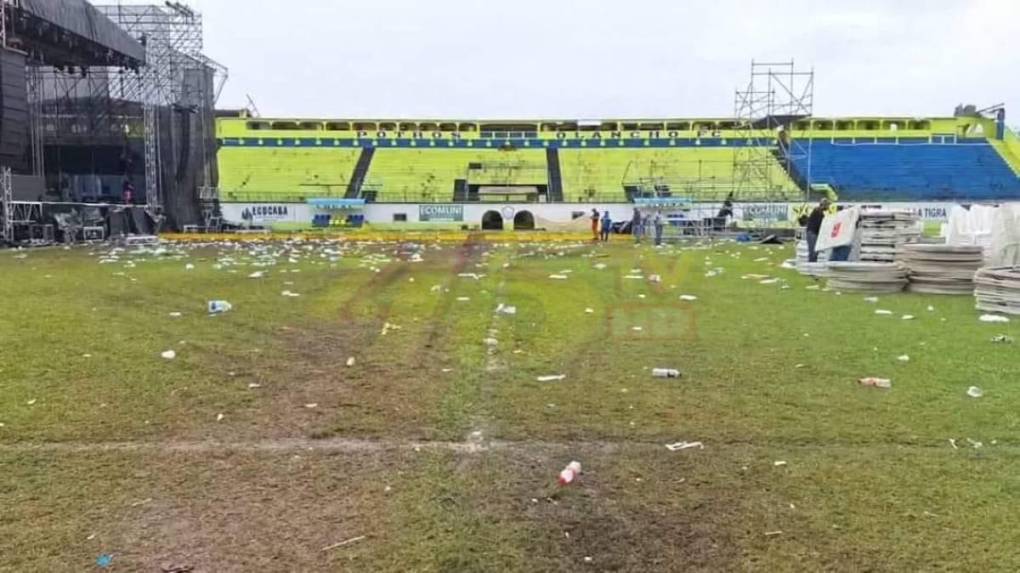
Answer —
(299, 213)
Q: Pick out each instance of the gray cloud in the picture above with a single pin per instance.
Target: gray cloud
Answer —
(606, 58)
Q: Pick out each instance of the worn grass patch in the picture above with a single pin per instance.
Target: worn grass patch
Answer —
(258, 444)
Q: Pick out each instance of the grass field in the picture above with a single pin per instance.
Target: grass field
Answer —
(259, 448)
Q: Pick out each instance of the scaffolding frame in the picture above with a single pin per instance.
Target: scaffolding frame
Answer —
(777, 95)
(110, 105)
(6, 205)
(6, 179)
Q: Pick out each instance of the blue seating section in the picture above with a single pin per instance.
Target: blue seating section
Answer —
(911, 172)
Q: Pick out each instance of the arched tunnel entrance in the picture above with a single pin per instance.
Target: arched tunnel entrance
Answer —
(492, 221)
(524, 221)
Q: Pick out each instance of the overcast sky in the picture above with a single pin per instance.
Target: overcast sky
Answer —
(607, 58)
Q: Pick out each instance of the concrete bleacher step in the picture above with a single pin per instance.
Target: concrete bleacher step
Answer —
(360, 172)
(552, 159)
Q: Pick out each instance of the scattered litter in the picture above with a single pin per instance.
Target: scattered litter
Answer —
(570, 473)
(975, 392)
(952, 442)
(871, 299)
(388, 327)
(589, 311)
(169, 355)
(254, 386)
(931, 308)
(551, 378)
(688, 297)
(812, 287)
(177, 568)
(773, 533)
(665, 373)
(504, 309)
(883, 311)
(344, 542)
(654, 279)
(634, 277)
(257, 275)
(350, 361)
(798, 365)
(142, 502)
(490, 341)
(768, 281)
(1003, 338)
(600, 266)
(176, 315)
(974, 443)
(778, 463)
(290, 294)
(189, 267)
(311, 406)
(31, 402)
(558, 277)
(993, 318)
(907, 317)
(104, 560)
(903, 358)
(876, 382)
(463, 298)
(684, 446)
(219, 306)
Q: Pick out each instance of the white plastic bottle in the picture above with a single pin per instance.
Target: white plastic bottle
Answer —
(665, 373)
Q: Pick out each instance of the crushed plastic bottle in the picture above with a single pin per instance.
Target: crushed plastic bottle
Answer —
(665, 373)
(876, 382)
(570, 473)
(219, 306)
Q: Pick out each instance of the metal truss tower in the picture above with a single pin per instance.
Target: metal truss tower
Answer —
(110, 105)
(6, 205)
(777, 96)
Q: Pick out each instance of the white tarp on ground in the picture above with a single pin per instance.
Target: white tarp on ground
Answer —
(996, 229)
(838, 229)
(1004, 248)
(970, 227)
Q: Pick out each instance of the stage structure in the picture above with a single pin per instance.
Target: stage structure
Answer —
(777, 96)
(135, 132)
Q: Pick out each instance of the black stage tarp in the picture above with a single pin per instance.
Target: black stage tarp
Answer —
(84, 20)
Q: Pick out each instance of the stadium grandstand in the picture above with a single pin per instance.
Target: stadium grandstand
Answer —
(963, 158)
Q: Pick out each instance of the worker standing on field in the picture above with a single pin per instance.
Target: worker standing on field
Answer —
(658, 222)
(607, 226)
(594, 225)
(637, 226)
(814, 225)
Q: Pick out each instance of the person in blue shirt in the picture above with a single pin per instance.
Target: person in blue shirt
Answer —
(607, 225)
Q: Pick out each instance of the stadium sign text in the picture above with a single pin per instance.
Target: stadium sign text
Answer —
(572, 135)
(265, 212)
(441, 213)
